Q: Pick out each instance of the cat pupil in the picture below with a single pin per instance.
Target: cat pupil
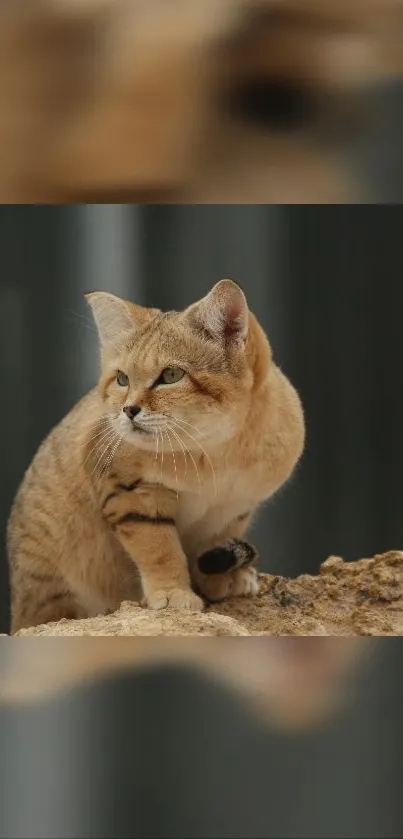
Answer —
(171, 375)
(122, 379)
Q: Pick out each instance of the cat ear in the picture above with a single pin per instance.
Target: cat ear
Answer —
(223, 313)
(112, 316)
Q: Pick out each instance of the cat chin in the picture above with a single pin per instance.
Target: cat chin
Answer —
(142, 440)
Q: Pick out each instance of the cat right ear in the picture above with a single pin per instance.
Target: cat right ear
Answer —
(112, 316)
(223, 313)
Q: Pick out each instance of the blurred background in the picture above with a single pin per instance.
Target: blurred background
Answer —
(201, 101)
(230, 105)
(167, 750)
(327, 286)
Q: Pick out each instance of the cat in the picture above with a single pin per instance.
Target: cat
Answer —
(147, 487)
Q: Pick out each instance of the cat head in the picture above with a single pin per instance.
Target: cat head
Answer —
(175, 377)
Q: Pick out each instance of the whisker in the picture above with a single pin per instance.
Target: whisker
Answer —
(183, 450)
(79, 315)
(98, 442)
(174, 459)
(179, 419)
(109, 460)
(108, 445)
(96, 449)
(82, 320)
(105, 419)
(98, 434)
(98, 465)
(159, 440)
(194, 463)
(87, 326)
(206, 455)
(162, 454)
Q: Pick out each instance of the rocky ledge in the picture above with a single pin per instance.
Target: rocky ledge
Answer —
(345, 599)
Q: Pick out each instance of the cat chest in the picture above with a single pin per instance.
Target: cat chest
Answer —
(215, 505)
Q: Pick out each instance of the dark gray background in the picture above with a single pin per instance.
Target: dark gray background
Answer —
(167, 753)
(327, 284)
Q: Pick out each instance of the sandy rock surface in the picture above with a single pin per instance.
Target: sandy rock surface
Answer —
(345, 599)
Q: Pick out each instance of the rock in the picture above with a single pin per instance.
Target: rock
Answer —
(344, 599)
(131, 619)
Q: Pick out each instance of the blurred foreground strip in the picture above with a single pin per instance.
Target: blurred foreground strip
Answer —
(199, 101)
(287, 681)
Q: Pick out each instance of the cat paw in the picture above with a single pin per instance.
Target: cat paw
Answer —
(228, 571)
(179, 599)
(243, 582)
(227, 557)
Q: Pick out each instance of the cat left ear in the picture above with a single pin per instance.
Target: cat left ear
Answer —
(112, 316)
(223, 313)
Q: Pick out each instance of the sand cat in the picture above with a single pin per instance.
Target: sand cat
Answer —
(146, 488)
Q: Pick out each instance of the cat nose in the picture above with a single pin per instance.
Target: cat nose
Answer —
(131, 411)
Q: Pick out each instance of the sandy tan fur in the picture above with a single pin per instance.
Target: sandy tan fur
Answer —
(115, 98)
(106, 512)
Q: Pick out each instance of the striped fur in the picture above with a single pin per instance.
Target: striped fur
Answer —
(114, 509)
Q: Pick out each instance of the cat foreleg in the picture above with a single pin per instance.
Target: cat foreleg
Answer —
(144, 524)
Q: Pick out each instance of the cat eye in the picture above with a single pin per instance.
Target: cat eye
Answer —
(122, 379)
(171, 375)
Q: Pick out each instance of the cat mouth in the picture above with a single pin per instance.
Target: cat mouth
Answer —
(140, 429)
